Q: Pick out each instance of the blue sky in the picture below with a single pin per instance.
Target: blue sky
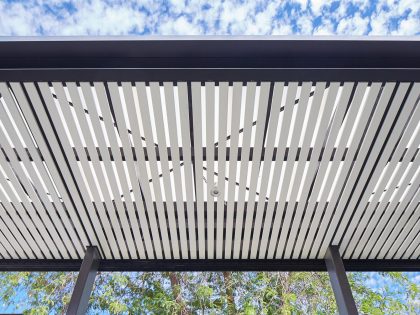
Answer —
(214, 17)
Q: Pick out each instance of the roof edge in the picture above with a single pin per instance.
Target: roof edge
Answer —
(196, 265)
(209, 52)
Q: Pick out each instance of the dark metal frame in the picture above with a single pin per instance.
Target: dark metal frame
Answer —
(339, 282)
(79, 301)
(210, 59)
(153, 265)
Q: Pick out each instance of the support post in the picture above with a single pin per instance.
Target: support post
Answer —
(79, 301)
(339, 282)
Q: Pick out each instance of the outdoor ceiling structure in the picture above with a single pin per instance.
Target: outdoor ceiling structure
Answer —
(209, 153)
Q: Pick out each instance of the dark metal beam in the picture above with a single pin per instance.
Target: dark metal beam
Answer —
(149, 265)
(212, 75)
(210, 52)
(216, 156)
(339, 282)
(210, 59)
(79, 301)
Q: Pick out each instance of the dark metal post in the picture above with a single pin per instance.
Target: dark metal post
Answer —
(79, 301)
(339, 282)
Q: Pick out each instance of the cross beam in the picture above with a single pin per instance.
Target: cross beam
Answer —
(339, 282)
(79, 301)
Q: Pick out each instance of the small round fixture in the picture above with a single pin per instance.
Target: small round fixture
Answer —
(215, 192)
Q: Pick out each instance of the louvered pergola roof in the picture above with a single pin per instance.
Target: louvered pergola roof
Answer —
(209, 153)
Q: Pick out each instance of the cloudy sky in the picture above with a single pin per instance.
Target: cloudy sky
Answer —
(213, 17)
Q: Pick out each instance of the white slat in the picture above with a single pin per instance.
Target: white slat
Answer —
(384, 156)
(109, 126)
(146, 121)
(358, 129)
(71, 196)
(63, 220)
(123, 134)
(18, 177)
(246, 143)
(163, 153)
(53, 111)
(393, 212)
(341, 121)
(269, 148)
(49, 248)
(312, 118)
(61, 207)
(356, 168)
(33, 184)
(406, 231)
(410, 248)
(47, 128)
(9, 249)
(188, 174)
(3, 252)
(406, 206)
(359, 168)
(11, 233)
(233, 158)
(221, 167)
(210, 126)
(87, 136)
(291, 156)
(176, 165)
(18, 228)
(41, 168)
(71, 125)
(399, 231)
(110, 209)
(198, 163)
(412, 241)
(327, 134)
(256, 161)
(273, 220)
(16, 210)
(141, 171)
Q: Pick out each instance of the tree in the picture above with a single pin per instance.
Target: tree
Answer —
(244, 293)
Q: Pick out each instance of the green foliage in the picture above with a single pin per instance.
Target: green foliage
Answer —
(208, 293)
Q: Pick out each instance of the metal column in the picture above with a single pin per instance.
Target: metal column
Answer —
(339, 282)
(79, 301)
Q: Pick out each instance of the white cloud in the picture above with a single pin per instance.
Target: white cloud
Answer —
(408, 27)
(305, 24)
(179, 26)
(118, 17)
(318, 5)
(356, 25)
(326, 28)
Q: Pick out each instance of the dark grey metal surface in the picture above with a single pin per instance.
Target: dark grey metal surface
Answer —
(339, 282)
(212, 75)
(79, 301)
(210, 52)
(210, 59)
(208, 265)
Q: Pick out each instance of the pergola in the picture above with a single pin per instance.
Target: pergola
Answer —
(208, 153)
